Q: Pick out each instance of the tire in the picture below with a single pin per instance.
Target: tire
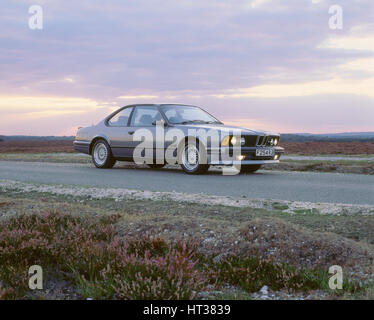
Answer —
(102, 155)
(250, 168)
(155, 166)
(186, 157)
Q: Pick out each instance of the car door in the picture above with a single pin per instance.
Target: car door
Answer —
(120, 133)
(143, 129)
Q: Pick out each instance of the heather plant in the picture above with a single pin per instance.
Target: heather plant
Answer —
(6, 294)
(88, 251)
(148, 269)
(172, 276)
(297, 246)
(251, 273)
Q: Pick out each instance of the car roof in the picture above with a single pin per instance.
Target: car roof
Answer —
(147, 105)
(159, 104)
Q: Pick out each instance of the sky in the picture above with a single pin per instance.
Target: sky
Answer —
(277, 65)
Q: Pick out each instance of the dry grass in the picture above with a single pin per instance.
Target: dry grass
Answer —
(36, 146)
(313, 148)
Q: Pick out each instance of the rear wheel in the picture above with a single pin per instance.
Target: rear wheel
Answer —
(102, 155)
(192, 159)
(249, 168)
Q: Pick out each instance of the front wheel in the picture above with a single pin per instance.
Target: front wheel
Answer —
(193, 160)
(102, 155)
(249, 168)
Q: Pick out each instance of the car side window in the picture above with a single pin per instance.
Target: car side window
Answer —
(145, 116)
(121, 119)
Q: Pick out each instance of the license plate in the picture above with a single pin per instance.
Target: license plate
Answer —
(264, 152)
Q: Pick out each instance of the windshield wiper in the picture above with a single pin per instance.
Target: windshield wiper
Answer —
(212, 122)
(192, 121)
(197, 121)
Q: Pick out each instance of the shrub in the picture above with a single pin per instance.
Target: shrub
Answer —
(251, 273)
(88, 251)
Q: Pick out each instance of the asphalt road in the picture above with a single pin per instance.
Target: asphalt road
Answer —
(282, 185)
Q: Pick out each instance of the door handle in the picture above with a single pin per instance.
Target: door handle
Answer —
(131, 132)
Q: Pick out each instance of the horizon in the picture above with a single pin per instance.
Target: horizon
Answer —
(282, 133)
(273, 65)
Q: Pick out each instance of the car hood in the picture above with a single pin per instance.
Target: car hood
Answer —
(222, 127)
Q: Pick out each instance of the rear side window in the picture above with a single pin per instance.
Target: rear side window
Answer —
(121, 119)
(145, 116)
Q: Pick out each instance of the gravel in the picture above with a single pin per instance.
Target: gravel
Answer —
(118, 194)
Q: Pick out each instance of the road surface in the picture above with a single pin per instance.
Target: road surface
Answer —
(282, 185)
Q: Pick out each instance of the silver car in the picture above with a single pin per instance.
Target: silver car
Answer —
(157, 134)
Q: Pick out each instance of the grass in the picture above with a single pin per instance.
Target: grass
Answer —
(46, 157)
(339, 166)
(132, 249)
(362, 162)
(362, 155)
(279, 206)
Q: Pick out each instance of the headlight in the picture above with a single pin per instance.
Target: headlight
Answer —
(273, 141)
(234, 141)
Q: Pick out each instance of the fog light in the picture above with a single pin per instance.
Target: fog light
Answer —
(276, 157)
(240, 158)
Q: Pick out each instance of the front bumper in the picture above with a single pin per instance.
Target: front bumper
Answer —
(221, 156)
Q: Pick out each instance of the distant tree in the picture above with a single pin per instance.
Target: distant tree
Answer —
(1, 139)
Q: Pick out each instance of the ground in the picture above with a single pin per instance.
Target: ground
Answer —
(223, 247)
(274, 232)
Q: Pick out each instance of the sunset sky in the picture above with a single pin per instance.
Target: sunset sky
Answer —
(266, 64)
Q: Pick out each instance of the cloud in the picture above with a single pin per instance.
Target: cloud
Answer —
(46, 115)
(137, 97)
(349, 43)
(334, 86)
(45, 105)
(216, 51)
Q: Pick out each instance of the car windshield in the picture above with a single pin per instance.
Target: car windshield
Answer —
(179, 114)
